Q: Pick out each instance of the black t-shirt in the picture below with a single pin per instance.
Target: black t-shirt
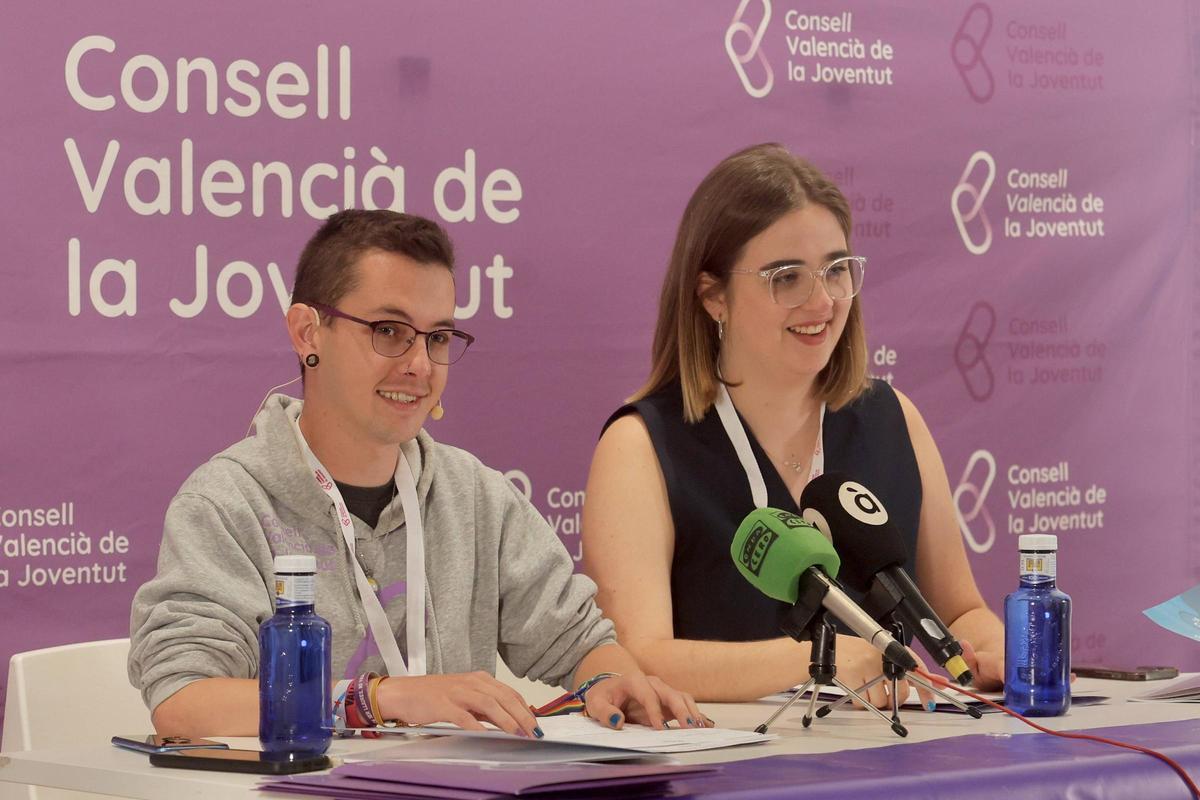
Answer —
(709, 497)
(367, 502)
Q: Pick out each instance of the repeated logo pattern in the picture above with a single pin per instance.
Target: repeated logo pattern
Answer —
(976, 481)
(966, 50)
(520, 481)
(753, 50)
(981, 242)
(970, 351)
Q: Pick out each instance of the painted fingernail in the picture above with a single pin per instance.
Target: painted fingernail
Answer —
(931, 706)
(614, 720)
(691, 722)
(538, 732)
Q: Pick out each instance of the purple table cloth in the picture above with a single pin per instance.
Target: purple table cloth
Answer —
(979, 767)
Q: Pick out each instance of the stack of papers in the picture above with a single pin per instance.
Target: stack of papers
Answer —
(407, 779)
(575, 729)
(830, 694)
(488, 751)
(1184, 690)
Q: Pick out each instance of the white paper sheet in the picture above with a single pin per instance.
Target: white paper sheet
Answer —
(575, 729)
(1183, 690)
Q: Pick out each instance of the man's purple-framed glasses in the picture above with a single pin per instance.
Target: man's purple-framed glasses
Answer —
(392, 338)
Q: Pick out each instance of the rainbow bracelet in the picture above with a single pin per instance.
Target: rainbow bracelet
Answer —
(572, 702)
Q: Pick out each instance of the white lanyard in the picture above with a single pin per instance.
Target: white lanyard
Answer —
(741, 444)
(381, 629)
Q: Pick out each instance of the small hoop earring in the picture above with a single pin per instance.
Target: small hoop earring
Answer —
(437, 412)
(311, 360)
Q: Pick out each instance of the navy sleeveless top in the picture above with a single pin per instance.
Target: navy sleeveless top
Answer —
(709, 497)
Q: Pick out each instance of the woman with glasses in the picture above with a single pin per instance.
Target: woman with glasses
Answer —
(761, 310)
(427, 562)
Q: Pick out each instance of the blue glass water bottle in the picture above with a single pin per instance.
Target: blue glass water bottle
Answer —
(1037, 634)
(294, 672)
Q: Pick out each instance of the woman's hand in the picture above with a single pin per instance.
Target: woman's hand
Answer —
(859, 662)
(644, 699)
(987, 667)
(462, 699)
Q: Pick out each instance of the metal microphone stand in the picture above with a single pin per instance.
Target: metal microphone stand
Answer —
(822, 669)
(892, 672)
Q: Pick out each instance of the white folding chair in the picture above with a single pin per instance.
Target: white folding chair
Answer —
(70, 695)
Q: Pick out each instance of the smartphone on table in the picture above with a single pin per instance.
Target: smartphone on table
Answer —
(230, 760)
(1126, 674)
(164, 744)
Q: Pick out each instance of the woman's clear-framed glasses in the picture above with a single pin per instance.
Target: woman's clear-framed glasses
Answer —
(392, 338)
(792, 284)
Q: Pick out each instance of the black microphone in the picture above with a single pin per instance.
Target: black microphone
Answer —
(873, 555)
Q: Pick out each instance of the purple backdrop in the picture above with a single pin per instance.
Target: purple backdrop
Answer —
(1022, 178)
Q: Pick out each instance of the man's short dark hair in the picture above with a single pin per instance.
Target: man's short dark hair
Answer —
(324, 273)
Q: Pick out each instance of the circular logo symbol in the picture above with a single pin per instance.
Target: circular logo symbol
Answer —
(861, 504)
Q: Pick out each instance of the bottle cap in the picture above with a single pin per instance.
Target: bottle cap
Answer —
(1037, 541)
(294, 564)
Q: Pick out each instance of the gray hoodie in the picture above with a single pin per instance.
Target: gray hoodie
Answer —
(498, 578)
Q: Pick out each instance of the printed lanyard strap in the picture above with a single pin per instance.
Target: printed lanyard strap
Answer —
(741, 445)
(381, 629)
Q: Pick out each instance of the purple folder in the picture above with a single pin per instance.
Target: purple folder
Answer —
(402, 779)
(361, 789)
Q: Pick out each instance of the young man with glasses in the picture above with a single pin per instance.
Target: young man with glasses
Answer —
(428, 562)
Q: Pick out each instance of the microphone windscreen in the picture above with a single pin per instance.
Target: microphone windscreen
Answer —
(857, 523)
(772, 548)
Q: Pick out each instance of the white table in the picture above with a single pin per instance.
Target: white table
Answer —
(103, 770)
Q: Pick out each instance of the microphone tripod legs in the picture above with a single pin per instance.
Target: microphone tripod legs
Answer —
(822, 671)
(894, 673)
(828, 708)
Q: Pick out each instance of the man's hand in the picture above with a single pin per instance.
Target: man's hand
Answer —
(643, 699)
(461, 699)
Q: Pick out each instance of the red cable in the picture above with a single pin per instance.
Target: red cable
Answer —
(941, 682)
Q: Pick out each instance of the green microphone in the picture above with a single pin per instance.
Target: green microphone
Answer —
(786, 558)
(772, 548)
